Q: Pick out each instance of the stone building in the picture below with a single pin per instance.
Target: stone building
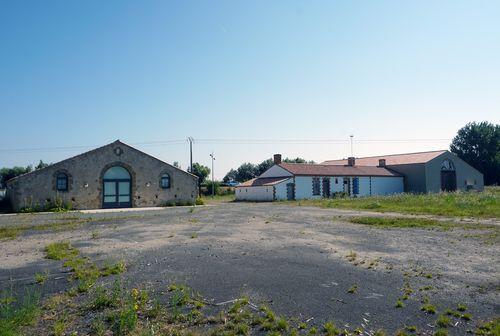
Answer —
(113, 176)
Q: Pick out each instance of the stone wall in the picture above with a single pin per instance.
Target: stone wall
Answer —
(85, 184)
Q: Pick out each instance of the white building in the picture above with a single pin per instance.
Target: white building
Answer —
(289, 181)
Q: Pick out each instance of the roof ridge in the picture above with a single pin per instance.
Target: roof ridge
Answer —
(384, 155)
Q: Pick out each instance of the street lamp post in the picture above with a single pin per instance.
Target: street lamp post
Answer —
(213, 181)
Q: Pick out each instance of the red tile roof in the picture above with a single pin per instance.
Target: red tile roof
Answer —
(336, 170)
(393, 159)
(263, 181)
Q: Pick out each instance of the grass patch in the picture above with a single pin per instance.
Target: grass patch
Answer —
(428, 308)
(65, 223)
(116, 268)
(420, 223)
(353, 289)
(443, 321)
(9, 232)
(484, 204)
(60, 251)
(40, 278)
(14, 316)
(491, 328)
(400, 222)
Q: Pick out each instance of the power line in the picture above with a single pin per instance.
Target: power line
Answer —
(222, 141)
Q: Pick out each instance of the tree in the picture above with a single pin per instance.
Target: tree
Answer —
(478, 144)
(246, 172)
(8, 173)
(201, 171)
(41, 165)
(230, 176)
(297, 160)
(264, 165)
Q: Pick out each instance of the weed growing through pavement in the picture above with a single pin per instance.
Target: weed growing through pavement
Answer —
(443, 321)
(40, 278)
(353, 289)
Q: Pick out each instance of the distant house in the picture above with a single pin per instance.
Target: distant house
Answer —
(288, 181)
(378, 175)
(426, 172)
(113, 176)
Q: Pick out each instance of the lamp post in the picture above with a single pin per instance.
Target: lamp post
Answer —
(213, 181)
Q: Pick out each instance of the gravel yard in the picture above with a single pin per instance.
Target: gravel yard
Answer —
(306, 263)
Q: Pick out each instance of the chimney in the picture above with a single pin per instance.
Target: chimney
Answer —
(277, 158)
(381, 162)
(351, 161)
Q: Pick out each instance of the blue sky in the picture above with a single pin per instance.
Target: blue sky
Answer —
(84, 73)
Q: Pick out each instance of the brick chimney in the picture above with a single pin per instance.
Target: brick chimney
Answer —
(381, 162)
(351, 161)
(277, 158)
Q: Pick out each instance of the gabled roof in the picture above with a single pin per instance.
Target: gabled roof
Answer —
(392, 159)
(34, 172)
(263, 181)
(310, 169)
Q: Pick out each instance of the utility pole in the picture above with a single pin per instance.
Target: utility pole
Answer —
(352, 150)
(191, 140)
(213, 181)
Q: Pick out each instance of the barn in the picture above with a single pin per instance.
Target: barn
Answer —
(112, 176)
(289, 181)
(421, 172)
(426, 172)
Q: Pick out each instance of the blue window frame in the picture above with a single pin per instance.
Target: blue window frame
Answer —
(316, 186)
(62, 182)
(165, 181)
(355, 186)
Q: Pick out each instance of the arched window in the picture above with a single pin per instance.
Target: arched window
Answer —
(447, 165)
(165, 181)
(62, 182)
(116, 173)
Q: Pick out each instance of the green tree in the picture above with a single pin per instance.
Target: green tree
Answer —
(297, 160)
(246, 172)
(230, 176)
(201, 171)
(264, 165)
(478, 144)
(41, 165)
(8, 173)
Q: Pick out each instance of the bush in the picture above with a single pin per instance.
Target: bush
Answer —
(209, 186)
(199, 201)
(50, 205)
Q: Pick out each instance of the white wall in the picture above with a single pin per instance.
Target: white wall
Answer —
(364, 186)
(280, 189)
(387, 185)
(379, 186)
(263, 193)
(336, 187)
(303, 187)
(275, 171)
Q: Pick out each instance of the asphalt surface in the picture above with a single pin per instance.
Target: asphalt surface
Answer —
(292, 258)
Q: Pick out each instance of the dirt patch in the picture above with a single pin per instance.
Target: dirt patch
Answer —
(301, 261)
